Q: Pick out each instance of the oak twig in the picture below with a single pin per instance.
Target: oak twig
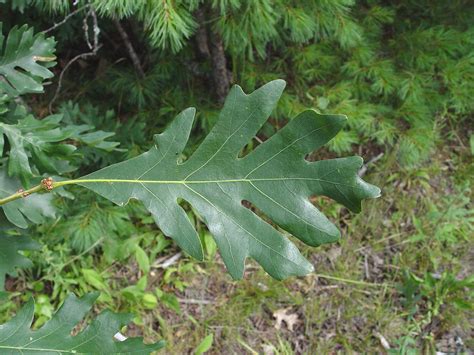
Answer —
(21, 194)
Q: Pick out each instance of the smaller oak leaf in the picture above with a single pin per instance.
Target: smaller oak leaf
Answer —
(25, 59)
(55, 337)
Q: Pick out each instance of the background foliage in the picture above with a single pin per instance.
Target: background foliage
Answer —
(402, 71)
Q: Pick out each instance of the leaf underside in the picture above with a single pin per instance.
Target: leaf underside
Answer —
(54, 337)
(275, 178)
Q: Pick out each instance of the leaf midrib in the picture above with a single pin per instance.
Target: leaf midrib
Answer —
(191, 182)
(20, 348)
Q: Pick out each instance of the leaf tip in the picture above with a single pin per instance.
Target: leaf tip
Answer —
(279, 82)
(158, 345)
(343, 118)
(197, 253)
(278, 85)
(375, 191)
(372, 191)
(190, 111)
(340, 120)
(89, 298)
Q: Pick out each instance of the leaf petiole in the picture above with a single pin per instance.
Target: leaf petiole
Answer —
(46, 185)
(21, 194)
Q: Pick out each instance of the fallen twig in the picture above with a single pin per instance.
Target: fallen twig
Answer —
(168, 262)
(194, 301)
(364, 168)
(366, 267)
(379, 241)
(385, 344)
(355, 282)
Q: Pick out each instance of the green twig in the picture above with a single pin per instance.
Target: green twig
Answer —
(21, 194)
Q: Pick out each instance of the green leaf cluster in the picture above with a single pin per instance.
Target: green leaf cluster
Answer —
(168, 23)
(24, 61)
(32, 147)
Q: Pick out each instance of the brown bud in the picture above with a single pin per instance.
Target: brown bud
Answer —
(47, 183)
(22, 192)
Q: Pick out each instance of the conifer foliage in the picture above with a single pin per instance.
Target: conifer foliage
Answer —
(400, 79)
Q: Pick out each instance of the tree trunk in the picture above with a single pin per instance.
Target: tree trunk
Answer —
(219, 66)
(210, 46)
(131, 51)
(201, 34)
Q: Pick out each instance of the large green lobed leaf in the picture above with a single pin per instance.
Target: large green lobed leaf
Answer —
(54, 337)
(275, 178)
